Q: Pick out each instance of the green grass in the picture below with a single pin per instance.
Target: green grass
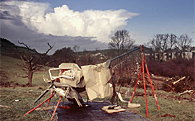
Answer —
(17, 109)
(12, 72)
(15, 73)
(182, 110)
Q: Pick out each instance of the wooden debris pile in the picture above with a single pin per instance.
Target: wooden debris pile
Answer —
(179, 84)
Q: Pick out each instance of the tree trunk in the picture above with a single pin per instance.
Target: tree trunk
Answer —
(30, 76)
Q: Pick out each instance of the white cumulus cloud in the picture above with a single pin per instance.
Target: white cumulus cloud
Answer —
(63, 21)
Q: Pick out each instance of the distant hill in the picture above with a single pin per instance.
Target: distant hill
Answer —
(63, 55)
(4, 43)
(10, 49)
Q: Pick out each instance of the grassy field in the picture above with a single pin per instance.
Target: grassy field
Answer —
(20, 99)
(16, 101)
(11, 70)
(172, 108)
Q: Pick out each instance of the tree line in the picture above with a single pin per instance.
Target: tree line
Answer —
(167, 42)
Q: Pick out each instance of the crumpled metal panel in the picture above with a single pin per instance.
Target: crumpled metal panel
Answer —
(97, 78)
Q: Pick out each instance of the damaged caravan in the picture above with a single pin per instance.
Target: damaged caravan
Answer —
(68, 80)
(92, 78)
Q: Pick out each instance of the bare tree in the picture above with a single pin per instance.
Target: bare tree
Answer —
(32, 61)
(120, 41)
(163, 42)
(159, 42)
(172, 41)
(184, 42)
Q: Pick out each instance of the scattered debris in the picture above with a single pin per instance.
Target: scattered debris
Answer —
(4, 106)
(187, 91)
(120, 97)
(113, 109)
(133, 105)
(179, 84)
(175, 82)
(68, 107)
(168, 115)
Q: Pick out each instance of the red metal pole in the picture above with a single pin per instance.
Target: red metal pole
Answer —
(56, 108)
(144, 81)
(135, 85)
(150, 81)
(49, 101)
(39, 105)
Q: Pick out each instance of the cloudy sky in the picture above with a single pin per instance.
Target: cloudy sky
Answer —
(89, 24)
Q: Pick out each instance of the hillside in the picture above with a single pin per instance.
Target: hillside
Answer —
(10, 49)
(61, 55)
(13, 74)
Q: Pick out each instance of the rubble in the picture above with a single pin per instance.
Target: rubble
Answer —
(133, 105)
(175, 82)
(4, 106)
(179, 84)
(187, 91)
(113, 109)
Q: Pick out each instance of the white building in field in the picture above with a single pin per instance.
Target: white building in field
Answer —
(171, 55)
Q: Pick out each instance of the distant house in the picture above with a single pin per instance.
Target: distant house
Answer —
(171, 54)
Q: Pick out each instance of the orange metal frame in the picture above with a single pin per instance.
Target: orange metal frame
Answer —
(143, 63)
(48, 99)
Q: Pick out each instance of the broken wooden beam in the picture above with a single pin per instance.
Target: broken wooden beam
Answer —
(175, 82)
